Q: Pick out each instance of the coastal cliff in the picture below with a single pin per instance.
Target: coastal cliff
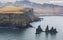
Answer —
(13, 16)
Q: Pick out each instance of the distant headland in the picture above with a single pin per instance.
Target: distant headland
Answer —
(16, 16)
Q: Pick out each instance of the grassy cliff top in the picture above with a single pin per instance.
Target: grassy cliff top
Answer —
(12, 9)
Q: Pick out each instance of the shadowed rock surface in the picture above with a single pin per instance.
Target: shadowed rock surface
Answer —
(38, 30)
(51, 31)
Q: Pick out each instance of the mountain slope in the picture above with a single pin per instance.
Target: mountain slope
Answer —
(42, 9)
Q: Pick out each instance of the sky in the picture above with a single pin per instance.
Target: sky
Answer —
(58, 2)
(4, 1)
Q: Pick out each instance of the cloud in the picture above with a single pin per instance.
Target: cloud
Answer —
(8, 1)
(58, 2)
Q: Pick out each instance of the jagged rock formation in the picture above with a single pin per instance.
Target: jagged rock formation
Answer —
(51, 31)
(39, 30)
(47, 29)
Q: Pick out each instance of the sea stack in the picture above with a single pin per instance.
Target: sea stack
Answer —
(47, 29)
(38, 30)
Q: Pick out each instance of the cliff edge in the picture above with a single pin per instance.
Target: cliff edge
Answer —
(16, 16)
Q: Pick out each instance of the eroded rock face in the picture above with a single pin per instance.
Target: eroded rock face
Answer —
(21, 18)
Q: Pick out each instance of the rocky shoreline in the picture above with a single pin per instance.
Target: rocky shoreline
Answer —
(21, 19)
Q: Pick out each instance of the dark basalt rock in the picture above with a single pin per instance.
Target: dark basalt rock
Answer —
(28, 25)
(51, 31)
(47, 29)
(39, 30)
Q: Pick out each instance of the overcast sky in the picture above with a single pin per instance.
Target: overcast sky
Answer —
(58, 2)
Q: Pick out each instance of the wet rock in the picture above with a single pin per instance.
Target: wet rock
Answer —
(47, 29)
(39, 30)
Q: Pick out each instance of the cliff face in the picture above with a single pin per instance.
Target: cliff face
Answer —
(20, 18)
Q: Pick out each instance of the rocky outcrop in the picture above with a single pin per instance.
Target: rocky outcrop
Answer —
(17, 19)
(47, 31)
